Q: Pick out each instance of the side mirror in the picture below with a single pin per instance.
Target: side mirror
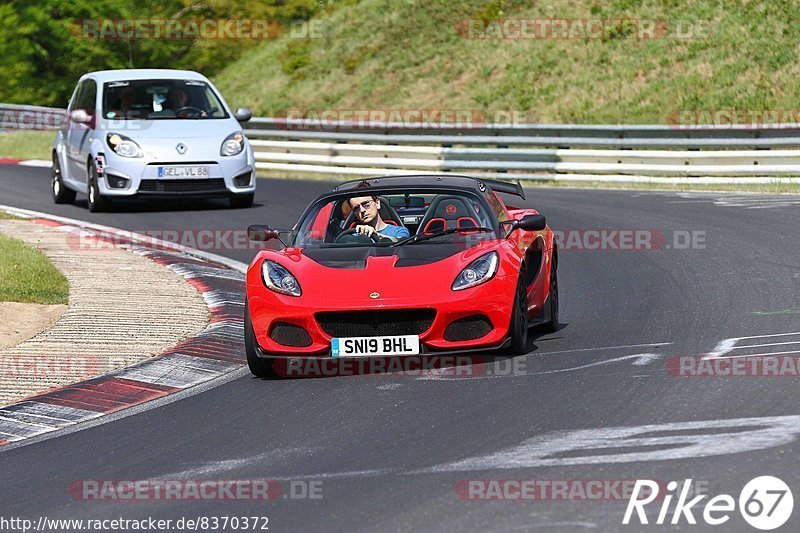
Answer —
(261, 233)
(532, 223)
(243, 114)
(80, 116)
(527, 223)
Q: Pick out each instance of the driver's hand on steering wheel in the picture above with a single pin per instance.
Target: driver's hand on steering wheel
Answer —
(367, 230)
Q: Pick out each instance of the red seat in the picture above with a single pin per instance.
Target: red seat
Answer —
(449, 212)
(466, 223)
(434, 225)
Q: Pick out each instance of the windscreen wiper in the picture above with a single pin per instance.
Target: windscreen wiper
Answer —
(419, 237)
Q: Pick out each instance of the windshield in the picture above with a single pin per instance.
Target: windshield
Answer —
(161, 100)
(395, 217)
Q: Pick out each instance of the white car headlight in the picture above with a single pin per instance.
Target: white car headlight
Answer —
(233, 144)
(479, 271)
(279, 279)
(123, 146)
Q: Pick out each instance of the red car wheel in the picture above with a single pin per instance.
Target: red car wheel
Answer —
(259, 366)
(519, 319)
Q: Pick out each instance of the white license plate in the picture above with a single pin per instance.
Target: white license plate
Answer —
(183, 172)
(375, 346)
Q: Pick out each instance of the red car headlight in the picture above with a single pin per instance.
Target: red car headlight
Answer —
(479, 271)
(279, 279)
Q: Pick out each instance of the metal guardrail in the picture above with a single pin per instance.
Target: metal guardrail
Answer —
(539, 135)
(547, 152)
(364, 159)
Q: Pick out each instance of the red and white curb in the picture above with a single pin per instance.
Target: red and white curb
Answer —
(216, 351)
(42, 163)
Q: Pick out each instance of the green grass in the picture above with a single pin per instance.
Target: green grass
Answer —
(413, 55)
(26, 275)
(8, 216)
(409, 54)
(27, 144)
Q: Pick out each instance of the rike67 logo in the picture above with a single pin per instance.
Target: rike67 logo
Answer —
(765, 503)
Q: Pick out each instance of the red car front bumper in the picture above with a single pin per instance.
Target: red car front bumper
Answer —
(484, 310)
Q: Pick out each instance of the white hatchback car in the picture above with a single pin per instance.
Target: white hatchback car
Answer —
(151, 133)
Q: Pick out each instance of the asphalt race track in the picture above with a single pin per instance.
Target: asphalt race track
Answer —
(393, 452)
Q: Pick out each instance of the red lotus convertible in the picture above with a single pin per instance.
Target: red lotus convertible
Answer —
(402, 266)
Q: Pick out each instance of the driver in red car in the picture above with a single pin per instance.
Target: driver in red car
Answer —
(369, 219)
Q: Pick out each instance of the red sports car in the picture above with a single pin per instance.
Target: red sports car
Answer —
(402, 266)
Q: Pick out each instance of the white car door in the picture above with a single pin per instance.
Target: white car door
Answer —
(78, 133)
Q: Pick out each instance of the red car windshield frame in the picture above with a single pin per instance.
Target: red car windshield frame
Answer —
(320, 202)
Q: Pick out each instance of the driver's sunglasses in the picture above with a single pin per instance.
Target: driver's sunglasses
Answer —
(363, 205)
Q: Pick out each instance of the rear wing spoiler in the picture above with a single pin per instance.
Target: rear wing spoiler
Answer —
(506, 187)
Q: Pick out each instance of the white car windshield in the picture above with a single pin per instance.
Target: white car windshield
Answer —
(161, 100)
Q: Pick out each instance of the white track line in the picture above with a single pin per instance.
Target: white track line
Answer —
(766, 336)
(641, 359)
(742, 356)
(604, 348)
(765, 344)
(728, 345)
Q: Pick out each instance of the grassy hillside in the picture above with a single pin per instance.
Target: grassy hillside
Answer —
(410, 54)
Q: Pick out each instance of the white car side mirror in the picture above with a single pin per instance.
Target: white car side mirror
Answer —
(243, 114)
(80, 116)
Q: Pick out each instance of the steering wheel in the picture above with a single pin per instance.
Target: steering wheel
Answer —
(189, 111)
(359, 237)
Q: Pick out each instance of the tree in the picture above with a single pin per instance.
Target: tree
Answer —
(46, 46)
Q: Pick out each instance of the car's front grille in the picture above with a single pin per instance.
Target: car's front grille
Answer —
(183, 186)
(376, 323)
(289, 335)
(468, 328)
